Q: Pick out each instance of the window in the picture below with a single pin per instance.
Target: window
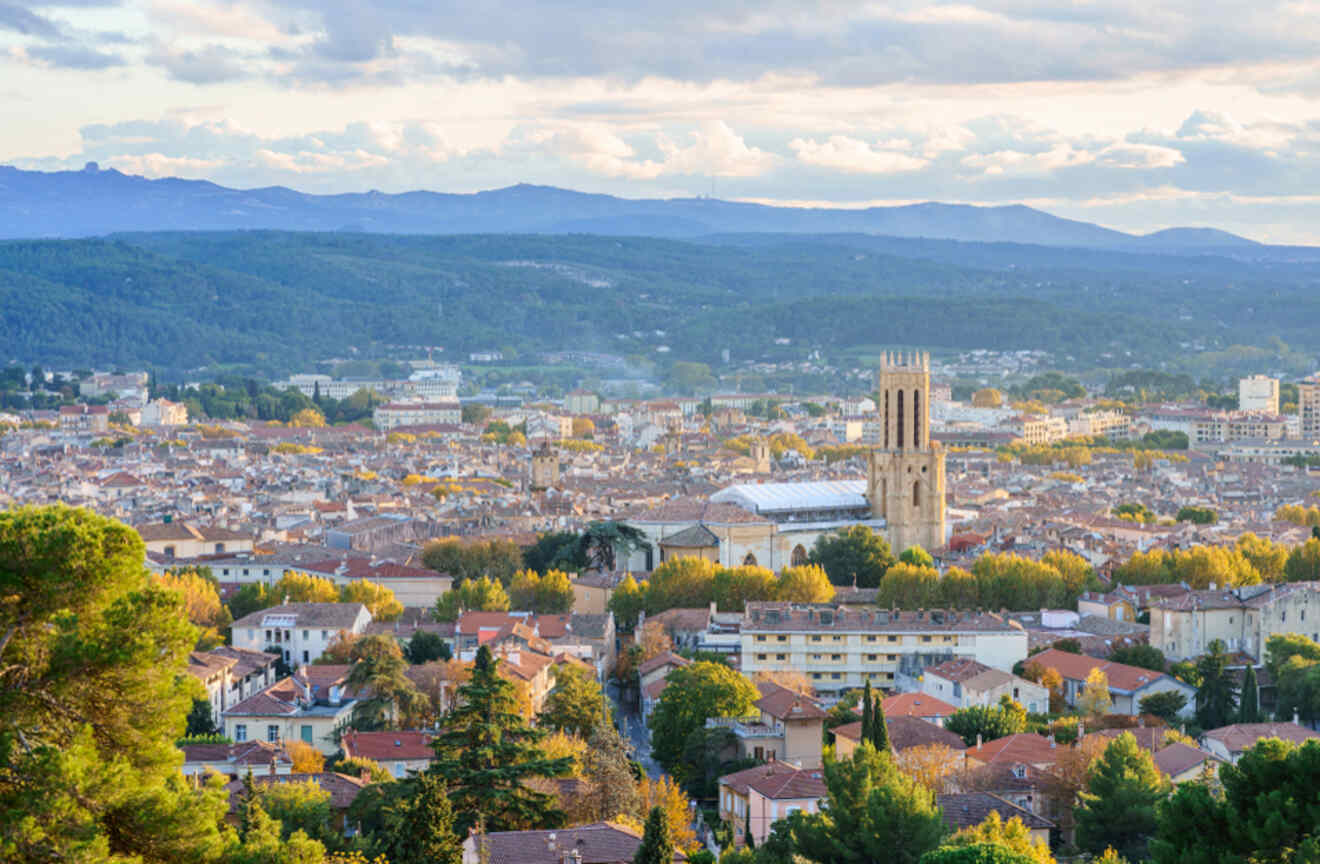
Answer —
(306, 635)
(219, 548)
(836, 656)
(925, 638)
(781, 656)
(870, 638)
(324, 634)
(305, 733)
(760, 638)
(1016, 694)
(893, 638)
(268, 639)
(916, 493)
(836, 675)
(760, 656)
(273, 733)
(781, 638)
(306, 658)
(871, 658)
(750, 560)
(815, 638)
(836, 638)
(240, 732)
(799, 555)
(169, 551)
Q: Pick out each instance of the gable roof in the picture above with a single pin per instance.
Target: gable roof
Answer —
(1122, 678)
(777, 780)
(965, 809)
(905, 732)
(1178, 757)
(1025, 747)
(916, 705)
(784, 704)
(384, 746)
(598, 843)
(1242, 736)
(330, 616)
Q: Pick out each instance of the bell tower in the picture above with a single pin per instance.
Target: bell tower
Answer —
(906, 481)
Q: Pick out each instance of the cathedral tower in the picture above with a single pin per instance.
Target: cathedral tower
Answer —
(906, 482)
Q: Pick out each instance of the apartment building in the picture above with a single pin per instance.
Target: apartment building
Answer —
(300, 631)
(395, 414)
(1243, 618)
(1259, 393)
(839, 648)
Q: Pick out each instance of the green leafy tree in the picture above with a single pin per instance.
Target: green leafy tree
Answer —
(657, 843)
(417, 824)
(879, 731)
(425, 646)
(735, 586)
(550, 593)
(976, 853)
(93, 695)
(299, 807)
(695, 694)
(1118, 807)
(1303, 562)
(917, 557)
(576, 704)
(686, 582)
(1166, 705)
(389, 698)
(603, 543)
(1269, 811)
(989, 722)
(557, 550)
(264, 842)
(855, 555)
(1197, 515)
(1012, 836)
(201, 721)
(476, 595)
(627, 603)
(611, 786)
(1216, 697)
(1249, 699)
(485, 752)
(872, 812)
(1145, 656)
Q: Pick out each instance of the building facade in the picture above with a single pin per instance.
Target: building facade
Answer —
(905, 486)
(1259, 393)
(1244, 618)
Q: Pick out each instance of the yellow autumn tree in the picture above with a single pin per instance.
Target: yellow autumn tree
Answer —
(674, 802)
(308, 418)
(306, 758)
(1095, 700)
(379, 600)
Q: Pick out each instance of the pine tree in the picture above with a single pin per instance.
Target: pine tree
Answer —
(419, 826)
(485, 751)
(879, 729)
(657, 844)
(1118, 808)
(1249, 701)
(613, 790)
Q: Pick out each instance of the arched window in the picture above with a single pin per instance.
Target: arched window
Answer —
(916, 418)
(916, 493)
(750, 560)
(886, 419)
(901, 420)
(799, 555)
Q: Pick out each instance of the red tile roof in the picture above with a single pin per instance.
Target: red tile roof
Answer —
(1123, 678)
(385, 746)
(916, 705)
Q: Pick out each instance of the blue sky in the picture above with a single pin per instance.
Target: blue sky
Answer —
(1136, 115)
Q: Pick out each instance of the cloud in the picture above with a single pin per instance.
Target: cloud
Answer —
(27, 23)
(72, 56)
(210, 64)
(854, 156)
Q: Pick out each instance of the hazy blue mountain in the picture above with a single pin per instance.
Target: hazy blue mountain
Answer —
(96, 202)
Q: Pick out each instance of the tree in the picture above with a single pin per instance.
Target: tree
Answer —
(476, 413)
(603, 542)
(477, 595)
(425, 646)
(308, 417)
(976, 853)
(1012, 835)
(1052, 681)
(1095, 700)
(685, 582)
(298, 587)
(931, 765)
(1303, 562)
(1197, 515)
(871, 812)
(695, 693)
(987, 722)
(201, 603)
(735, 586)
(1118, 808)
(1145, 656)
(306, 758)
(657, 845)
(804, 584)
(664, 794)
(357, 766)
(378, 599)
(86, 641)
(1216, 699)
(390, 699)
(1249, 702)
(550, 593)
(627, 603)
(576, 705)
(418, 824)
(302, 807)
(855, 555)
(485, 751)
(264, 842)
(1267, 812)
(917, 557)
(879, 731)
(554, 550)
(611, 789)
(201, 720)
(1166, 705)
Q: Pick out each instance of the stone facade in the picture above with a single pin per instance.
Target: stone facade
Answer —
(906, 478)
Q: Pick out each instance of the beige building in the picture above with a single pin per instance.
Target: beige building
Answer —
(308, 706)
(1308, 406)
(753, 799)
(395, 414)
(905, 486)
(177, 539)
(1109, 423)
(840, 648)
(788, 727)
(592, 591)
(163, 412)
(1259, 393)
(545, 467)
(1243, 618)
(1038, 428)
(966, 683)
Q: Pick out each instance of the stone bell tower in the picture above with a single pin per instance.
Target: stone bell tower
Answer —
(906, 482)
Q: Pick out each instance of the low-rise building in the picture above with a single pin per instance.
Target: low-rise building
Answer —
(394, 414)
(965, 683)
(904, 734)
(300, 632)
(1244, 619)
(1128, 685)
(310, 706)
(787, 727)
(84, 419)
(753, 799)
(969, 809)
(1230, 742)
(597, 843)
(397, 752)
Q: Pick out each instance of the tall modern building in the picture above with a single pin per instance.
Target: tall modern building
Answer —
(1308, 406)
(1258, 393)
(906, 479)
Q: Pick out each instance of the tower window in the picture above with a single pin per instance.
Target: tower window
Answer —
(901, 424)
(916, 493)
(916, 418)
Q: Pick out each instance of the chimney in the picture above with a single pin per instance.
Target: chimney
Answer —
(1052, 742)
(550, 841)
(272, 764)
(1296, 719)
(978, 740)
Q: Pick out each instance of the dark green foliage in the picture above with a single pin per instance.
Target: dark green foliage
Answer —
(416, 824)
(554, 550)
(424, 647)
(1216, 696)
(879, 731)
(603, 544)
(1072, 646)
(1145, 656)
(1197, 515)
(200, 719)
(657, 843)
(1118, 807)
(708, 755)
(1006, 718)
(1164, 705)
(868, 711)
(1249, 698)
(576, 704)
(484, 753)
(872, 812)
(855, 555)
(1269, 811)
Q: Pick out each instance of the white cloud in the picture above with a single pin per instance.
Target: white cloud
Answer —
(854, 156)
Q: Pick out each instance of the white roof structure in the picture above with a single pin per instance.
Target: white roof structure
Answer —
(786, 497)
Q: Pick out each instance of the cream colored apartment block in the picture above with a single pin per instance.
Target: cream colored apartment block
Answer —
(1243, 618)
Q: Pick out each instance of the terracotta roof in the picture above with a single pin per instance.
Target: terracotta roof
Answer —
(343, 789)
(965, 809)
(905, 732)
(1149, 738)
(1122, 678)
(598, 843)
(777, 780)
(916, 705)
(1242, 736)
(335, 616)
(1025, 747)
(1178, 757)
(683, 619)
(384, 746)
(784, 704)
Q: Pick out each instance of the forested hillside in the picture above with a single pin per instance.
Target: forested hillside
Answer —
(279, 300)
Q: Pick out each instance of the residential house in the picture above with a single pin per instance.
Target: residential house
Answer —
(965, 682)
(310, 705)
(920, 705)
(904, 734)
(597, 843)
(1128, 685)
(231, 675)
(1026, 748)
(968, 809)
(175, 538)
(840, 648)
(235, 760)
(301, 632)
(1243, 618)
(653, 677)
(343, 790)
(1184, 764)
(1230, 742)
(787, 727)
(85, 419)
(1115, 605)
(397, 752)
(592, 591)
(753, 799)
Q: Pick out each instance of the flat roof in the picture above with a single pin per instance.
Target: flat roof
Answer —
(810, 495)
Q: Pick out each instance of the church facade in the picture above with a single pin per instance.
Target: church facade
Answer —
(905, 479)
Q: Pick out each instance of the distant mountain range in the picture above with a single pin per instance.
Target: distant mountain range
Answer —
(95, 202)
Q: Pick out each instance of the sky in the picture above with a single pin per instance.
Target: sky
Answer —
(1134, 115)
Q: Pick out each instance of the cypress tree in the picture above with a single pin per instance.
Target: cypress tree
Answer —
(657, 843)
(866, 712)
(1249, 701)
(879, 730)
